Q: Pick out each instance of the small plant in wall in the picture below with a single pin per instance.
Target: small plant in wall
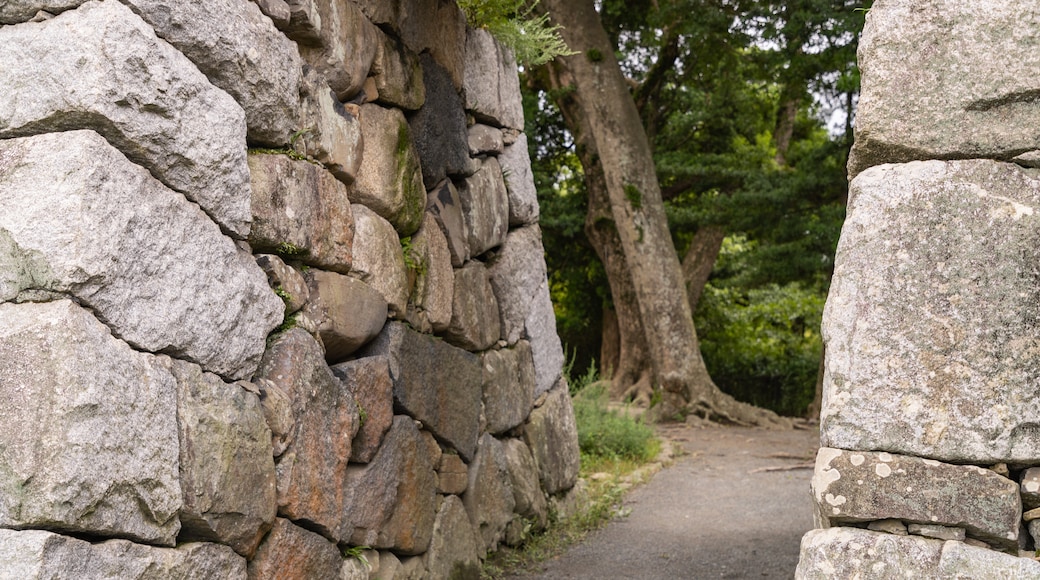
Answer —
(533, 40)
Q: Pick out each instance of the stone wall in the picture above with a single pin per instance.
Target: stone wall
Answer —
(272, 294)
(930, 429)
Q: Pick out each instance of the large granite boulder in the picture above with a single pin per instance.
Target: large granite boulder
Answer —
(430, 306)
(398, 75)
(947, 79)
(434, 382)
(88, 429)
(313, 468)
(368, 379)
(290, 552)
(862, 486)
(76, 217)
(552, 435)
(485, 206)
(37, 554)
(301, 211)
(528, 496)
(437, 28)
(18, 11)
(474, 314)
(444, 204)
(226, 465)
(439, 127)
(329, 132)
(523, 196)
(930, 324)
(101, 67)
(489, 497)
(240, 51)
(454, 550)
(345, 42)
(389, 181)
(349, 313)
(492, 84)
(392, 500)
(856, 553)
(379, 259)
(508, 386)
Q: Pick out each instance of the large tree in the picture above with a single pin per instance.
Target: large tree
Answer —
(627, 226)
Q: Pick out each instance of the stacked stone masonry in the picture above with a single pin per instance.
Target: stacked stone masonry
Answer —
(930, 458)
(273, 300)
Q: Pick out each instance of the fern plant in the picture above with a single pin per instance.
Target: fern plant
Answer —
(533, 40)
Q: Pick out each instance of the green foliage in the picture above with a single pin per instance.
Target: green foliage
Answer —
(605, 433)
(594, 55)
(357, 552)
(289, 250)
(533, 40)
(634, 196)
(412, 260)
(762, 345)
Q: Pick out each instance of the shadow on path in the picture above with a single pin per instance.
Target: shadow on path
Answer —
(720, 511)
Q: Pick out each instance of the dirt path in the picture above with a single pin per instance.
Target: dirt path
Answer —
(717, 512)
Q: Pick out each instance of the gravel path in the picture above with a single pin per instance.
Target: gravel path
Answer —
(717, 512)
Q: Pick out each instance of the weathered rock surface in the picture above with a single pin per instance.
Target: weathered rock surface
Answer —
(290, 552)
(287, 283)
(88, 428)
(226, 465)
(439, 127)
(523, 477)
(312, 469)
(301, 211)
(546, 347)
(454, 551)
(437, 28)
(379, 259)
(389, 181)
(368, 379)
(855, 553)
(489, 497)
(18, 11)
(36, 554)
(1030, 488)
(931, 323)
(855, 486)
(101, 67)
(329, 131)
(452, 474)
(240, 51)
(346, 43)
(516, 169)
(392, 500)
(971, 94)
(517, 273)
(485, 206)
(444, 203)
(430, 306)
(349, 312)
(474, 314)
(77, 218)
(435, 383)
(508, 387)
(398, 75)
(492, 84)
(484, 139)
(552, 435)
(277, 10)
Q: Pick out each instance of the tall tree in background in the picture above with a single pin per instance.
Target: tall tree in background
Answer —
(627, 226)
(707, 112)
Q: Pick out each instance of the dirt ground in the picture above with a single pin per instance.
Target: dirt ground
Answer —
(735, 504)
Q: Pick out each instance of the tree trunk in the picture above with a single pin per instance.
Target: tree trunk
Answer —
(626, 224)
(699, 261)
(785, 119)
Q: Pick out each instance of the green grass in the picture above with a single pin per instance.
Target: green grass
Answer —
(613, 448)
